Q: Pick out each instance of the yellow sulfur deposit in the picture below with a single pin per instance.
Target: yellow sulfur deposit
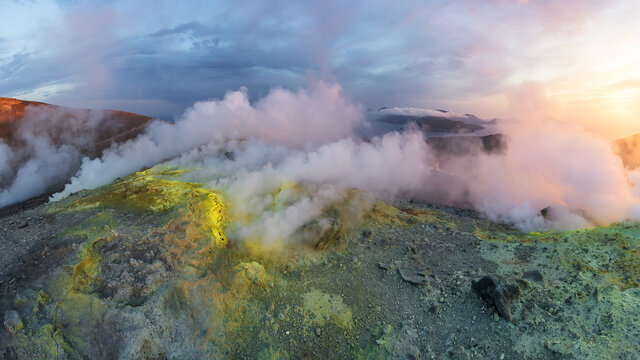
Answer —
(217, 217)
(147, 192)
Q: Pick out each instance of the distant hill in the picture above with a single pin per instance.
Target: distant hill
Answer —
(629, 150)
(432, 123)
(102, 127)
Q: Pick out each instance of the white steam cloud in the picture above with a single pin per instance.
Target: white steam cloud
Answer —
(573, 173)
(44, 151)
(259, 175)
(255, 154)
(296, 119)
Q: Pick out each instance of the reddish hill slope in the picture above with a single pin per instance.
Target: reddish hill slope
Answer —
(99, 128)
(42, 145)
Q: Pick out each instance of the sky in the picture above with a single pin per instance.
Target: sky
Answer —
(569, 60)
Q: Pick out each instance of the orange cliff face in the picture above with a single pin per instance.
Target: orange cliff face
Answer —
(11, 110)
(59, 123)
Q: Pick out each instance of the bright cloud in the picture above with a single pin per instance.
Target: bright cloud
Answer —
(461, 55)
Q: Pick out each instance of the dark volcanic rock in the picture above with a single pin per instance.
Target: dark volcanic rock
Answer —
(485, 287)
(533, 275)
(412, 273)
(500, 296)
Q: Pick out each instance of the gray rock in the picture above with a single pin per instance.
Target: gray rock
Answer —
(485, 287)
(434, 308)
(412, 273)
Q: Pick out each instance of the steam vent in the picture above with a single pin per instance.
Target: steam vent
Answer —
(367, 180)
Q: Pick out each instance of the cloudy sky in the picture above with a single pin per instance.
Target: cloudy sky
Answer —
(575, 60)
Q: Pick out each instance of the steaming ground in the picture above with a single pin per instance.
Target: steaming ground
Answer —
(184, 259)
(314, 136)
(308, 136)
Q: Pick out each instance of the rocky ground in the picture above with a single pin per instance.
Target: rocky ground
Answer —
(142, 269)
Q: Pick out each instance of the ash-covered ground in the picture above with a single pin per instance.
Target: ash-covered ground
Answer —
(142, 269)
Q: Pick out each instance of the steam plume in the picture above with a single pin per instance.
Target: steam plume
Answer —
(296, 119)
(307, 137)
(40, 156)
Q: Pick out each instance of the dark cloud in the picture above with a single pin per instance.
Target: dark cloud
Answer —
(194, 27)
(412, 53)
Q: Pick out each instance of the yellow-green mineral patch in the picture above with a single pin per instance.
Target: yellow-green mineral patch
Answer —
(85, 271)
(41, 299)
(325, 308)
(139, 192)
(385, 214)
(596, 283)
(492, 232)
(250, 272)
(148, 192)
(208, 209)
(612, 251)
(99, 225)
(46, 343)
(79, 314)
